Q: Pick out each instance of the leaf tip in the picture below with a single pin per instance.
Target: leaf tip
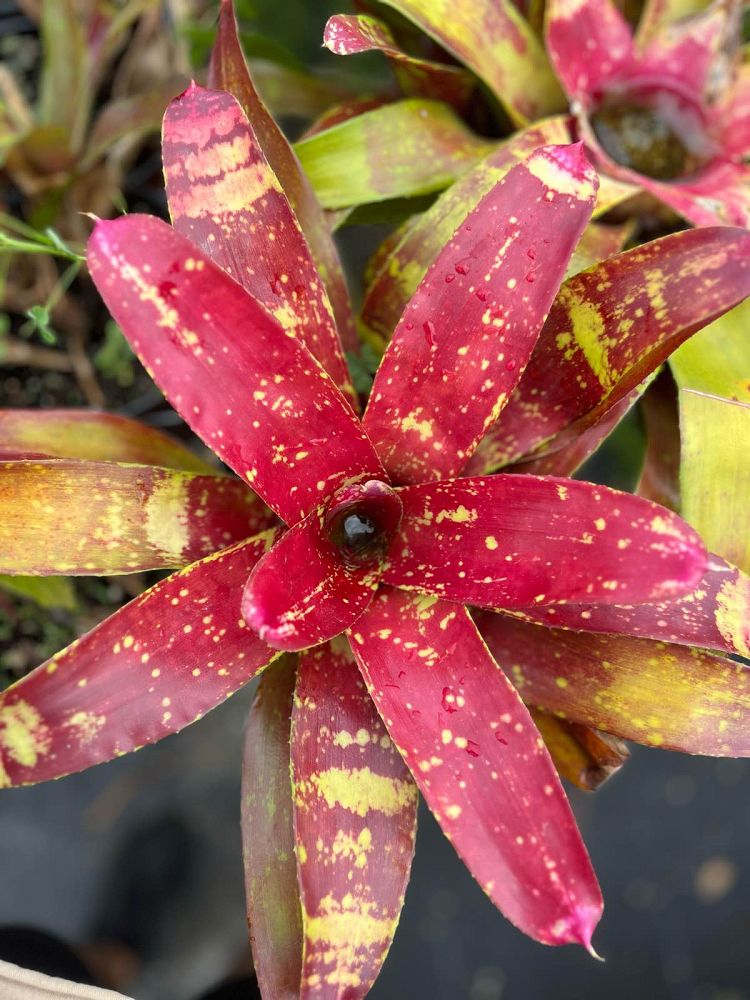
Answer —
(565, 169)
(580, 926)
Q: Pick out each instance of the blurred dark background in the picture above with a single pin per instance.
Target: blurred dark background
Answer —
(667, 835)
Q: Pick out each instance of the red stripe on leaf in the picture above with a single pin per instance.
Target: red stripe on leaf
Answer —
(255, 395)
(225, 198)
(467, 333)
(479, 762)
(517, 541)
(716, 615)
(149, 670)
(355, 824)
(613, 325)
(228, 70)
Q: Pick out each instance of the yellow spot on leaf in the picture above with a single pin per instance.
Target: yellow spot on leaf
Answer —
(166, 524)
(422, 427)
(459, 516)
(733, 613)
(360, 790)
(344, 933)
(87, 724)
(23, 735)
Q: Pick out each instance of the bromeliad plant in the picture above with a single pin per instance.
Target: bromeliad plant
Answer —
(68, 153)
(664, 112)
(379, 682)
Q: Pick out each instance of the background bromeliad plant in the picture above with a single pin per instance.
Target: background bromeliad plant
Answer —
(468, 383)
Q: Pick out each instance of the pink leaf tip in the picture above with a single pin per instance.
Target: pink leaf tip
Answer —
(578, 928)
(565, 169)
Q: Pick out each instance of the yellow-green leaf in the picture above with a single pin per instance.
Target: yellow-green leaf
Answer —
(399, 150)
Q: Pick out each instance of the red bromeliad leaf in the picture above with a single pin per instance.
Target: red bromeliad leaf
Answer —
(318, 579)
(686, 57)
(96, 437)
(468, 331)
(652, 693)
(350, 34)
(228, 71)
(688, 61)
(355, 824)
(479, 762)
(302, 592)
(225, 198)
(273, 907)
(568, 459)
(586, 69)
(596, 345)
(716, 615)
(517, 541)
(734, 114)
(584, 756)
(149, 670)
(255, 395)
(100, 518)
(401, 267)
(719, 195)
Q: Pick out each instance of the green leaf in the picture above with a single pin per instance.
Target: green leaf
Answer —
(712, 371)
(717, 359)
(715, 473)
(65, 90)
(46, 591)
(114, 359)
(407, 148)
(40, 322)
(362, 368)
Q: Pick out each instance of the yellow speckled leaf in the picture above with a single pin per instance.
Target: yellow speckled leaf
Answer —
(399, 266)
(403, 149)
(654, 693)
(150, 669)
(498, 44)
(92, 518)
(355, 823)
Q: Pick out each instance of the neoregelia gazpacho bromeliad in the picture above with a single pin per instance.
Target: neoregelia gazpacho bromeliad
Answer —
(382, 683)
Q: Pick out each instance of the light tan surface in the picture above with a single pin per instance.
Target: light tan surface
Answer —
(23, 984)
